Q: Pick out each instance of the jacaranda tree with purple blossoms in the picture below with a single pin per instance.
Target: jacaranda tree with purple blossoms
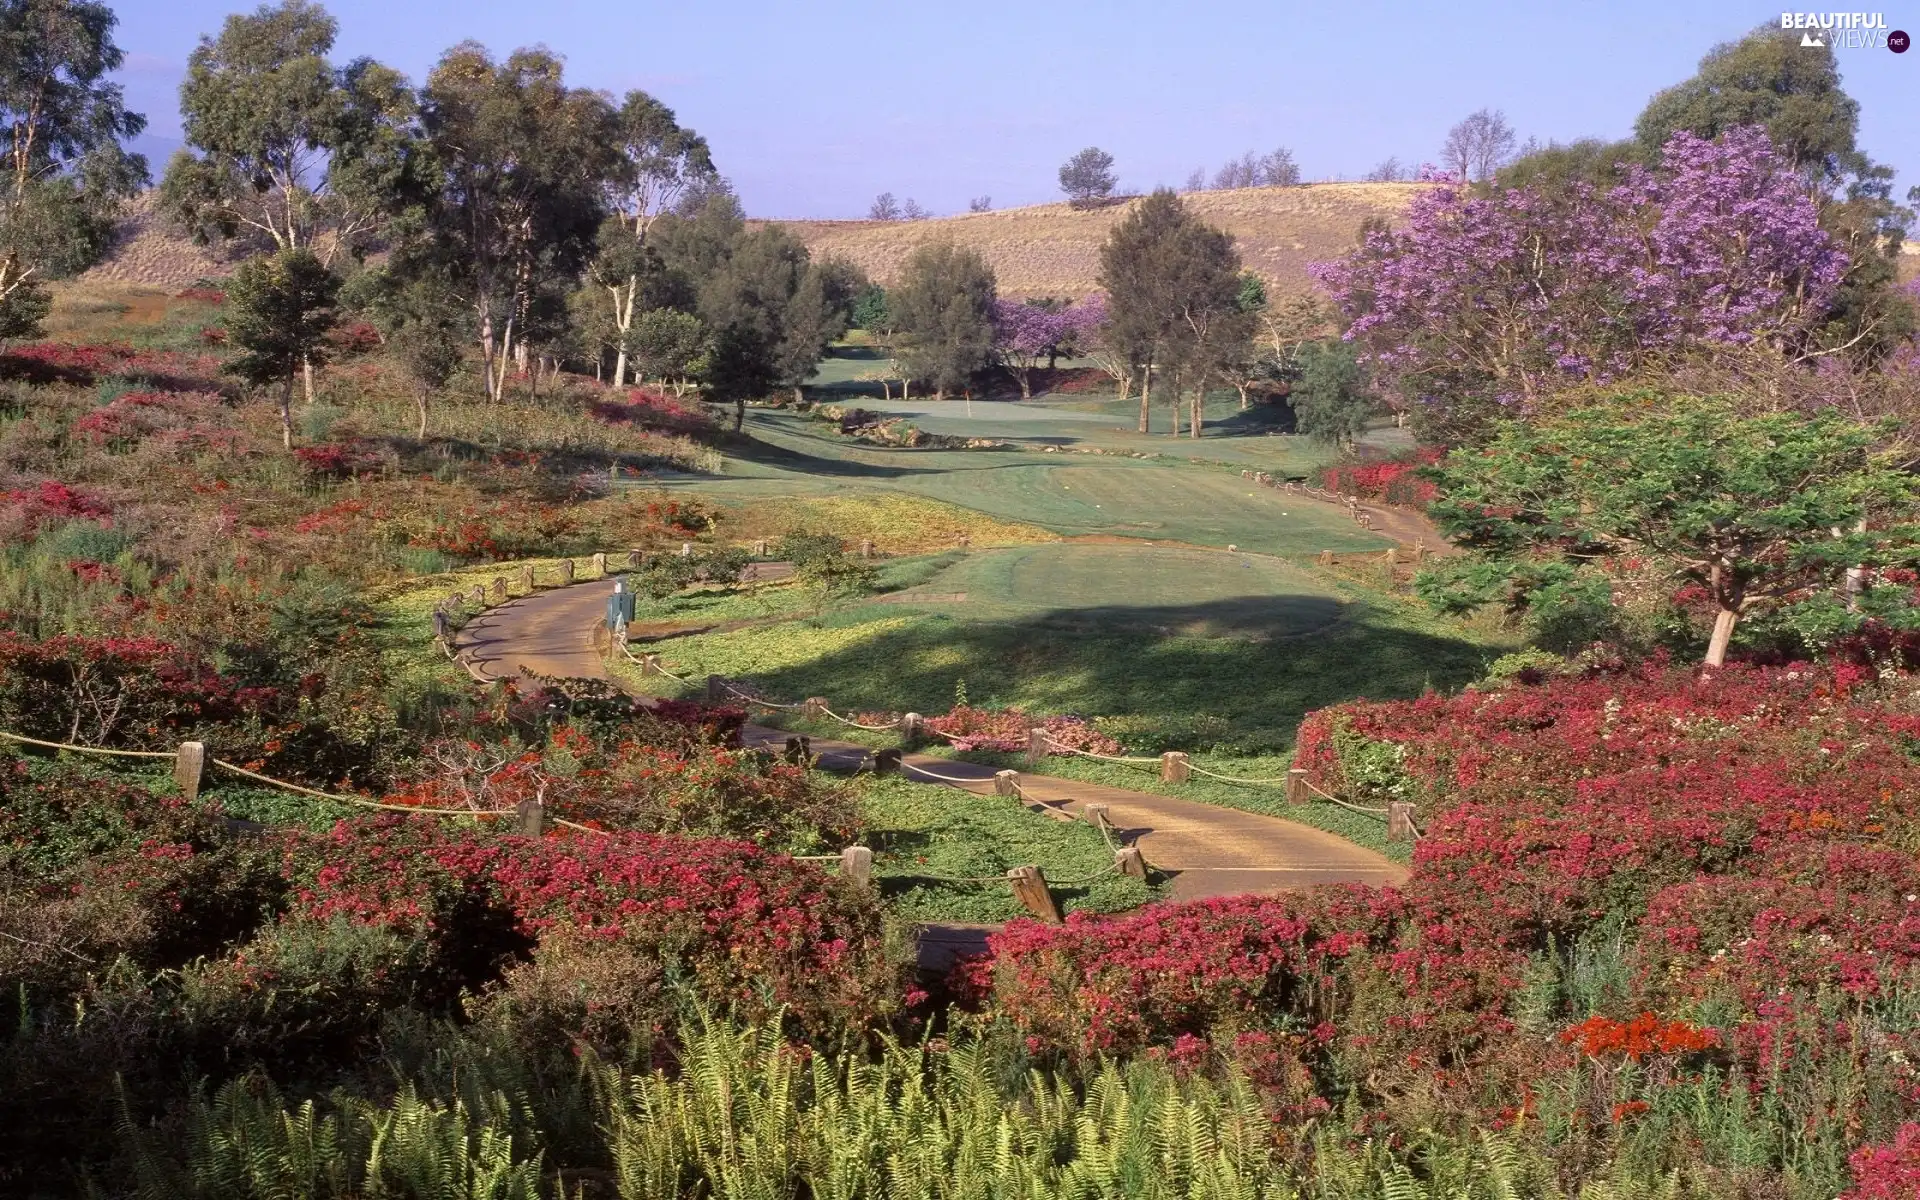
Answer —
(1025, 332)
(1485, 305)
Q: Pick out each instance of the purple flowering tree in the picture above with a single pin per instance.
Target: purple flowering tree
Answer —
(1486, 304)
(1025, 334)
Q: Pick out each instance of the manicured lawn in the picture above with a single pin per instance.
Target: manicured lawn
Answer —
(1069, 494)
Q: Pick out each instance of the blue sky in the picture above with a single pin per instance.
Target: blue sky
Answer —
(813, 109)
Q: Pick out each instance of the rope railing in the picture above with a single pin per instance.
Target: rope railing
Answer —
(15, 737)
(1197, 769)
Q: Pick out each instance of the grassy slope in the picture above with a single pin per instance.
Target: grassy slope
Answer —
(1050, 249)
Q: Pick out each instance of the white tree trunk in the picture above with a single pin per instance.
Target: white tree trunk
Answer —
(1723, 623)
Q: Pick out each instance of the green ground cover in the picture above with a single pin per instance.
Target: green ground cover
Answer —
(919, 833)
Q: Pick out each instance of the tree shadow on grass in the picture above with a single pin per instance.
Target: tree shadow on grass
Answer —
(1058, 661)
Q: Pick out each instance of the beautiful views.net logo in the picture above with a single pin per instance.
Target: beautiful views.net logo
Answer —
(1841, 30)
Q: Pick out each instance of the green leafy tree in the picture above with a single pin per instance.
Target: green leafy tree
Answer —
(424, 322)
(521, 162)
(1087, 178)
(750, 299)
(1759, 511)
(68, 175)
(291, 149)
(1331, 401)
(1175, 300)
(657, 163)
(279, 309)
(669, 344)
(942, 307)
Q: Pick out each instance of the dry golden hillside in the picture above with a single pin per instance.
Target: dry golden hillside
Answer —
(146, 251)
(1052, 250)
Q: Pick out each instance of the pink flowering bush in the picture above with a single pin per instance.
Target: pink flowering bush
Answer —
(1396, 481)
(1004, 730)
(1887, 1172)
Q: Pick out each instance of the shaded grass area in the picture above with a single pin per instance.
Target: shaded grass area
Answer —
(917, 831)
(893, 658)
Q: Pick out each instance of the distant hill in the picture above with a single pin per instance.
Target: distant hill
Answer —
(1052, 250)
(1044, 250)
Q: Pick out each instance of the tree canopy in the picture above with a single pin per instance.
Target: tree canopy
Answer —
(279, 309)
(1759, 511)
(943, 309)
(1087, 178)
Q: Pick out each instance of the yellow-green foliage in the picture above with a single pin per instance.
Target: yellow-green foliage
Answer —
(896, 522)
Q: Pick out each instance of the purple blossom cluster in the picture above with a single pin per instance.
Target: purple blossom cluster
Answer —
(1506, 296)
(1025, 334)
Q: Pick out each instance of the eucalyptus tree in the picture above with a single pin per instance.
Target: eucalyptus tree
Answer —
(658, 161)
(522, 162)
(68, 175)
(279, 309)
(291, 150)
(943, 308)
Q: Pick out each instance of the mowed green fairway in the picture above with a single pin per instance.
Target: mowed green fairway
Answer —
(1071, 494)
(1147, 589)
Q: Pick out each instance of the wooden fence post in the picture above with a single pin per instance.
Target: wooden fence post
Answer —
(650, 665)
(600, 563)
(1006, 783)
(715, 687)
(1096, 815)
(1326, 558)
(1030, 889)
(1038, 745)
(497, 594)
(440, 626)
(1419, 551)
(1174, 767)
(856, 863)
(686, 549)
(911, 726)
(866, 547)
(1130, 861)
(530, 817)
(760, 548)
(1399, 821)
(189, 763)
(479, 596)
(965, 541)
(566, 571)
(526, 580)
(886, 762)
(1297, 785)
(634, 557)
(814, 708)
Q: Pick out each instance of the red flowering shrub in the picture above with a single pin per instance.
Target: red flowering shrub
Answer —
(1643, 1037)
(69, 362)
(354, 337)
(53, 502)
(1887, 1172)
(644, 408)
(204, 295)
(182, 419)
(755, 931)
(1117, 985)
(212, 335)
(1005, 730)
(1392, 481)
(335, 460)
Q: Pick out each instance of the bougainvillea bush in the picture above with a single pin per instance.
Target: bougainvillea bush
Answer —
(1664, 915)
(1397, 481)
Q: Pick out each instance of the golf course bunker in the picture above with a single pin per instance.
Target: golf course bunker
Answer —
(1159, 589)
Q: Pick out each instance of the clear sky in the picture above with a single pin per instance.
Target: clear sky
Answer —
(812, 109)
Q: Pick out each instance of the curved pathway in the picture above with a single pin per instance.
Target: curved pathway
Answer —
(1216, 851)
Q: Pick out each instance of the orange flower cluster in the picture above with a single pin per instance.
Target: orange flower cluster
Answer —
(1646, 1034)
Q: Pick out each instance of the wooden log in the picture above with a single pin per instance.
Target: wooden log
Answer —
(1030, 889)
(856, 863)
(189, 765)
(1399, 821)
(530, 817)
(600, 564)
(1297, 791)
(1006, 783)
(1130, 861)
(1038, 746)
(1174, 767)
